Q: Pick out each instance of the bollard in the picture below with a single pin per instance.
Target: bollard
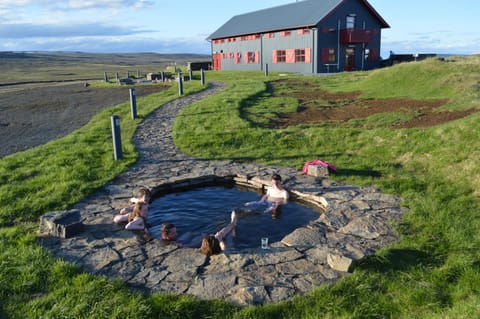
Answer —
(180, 84)
(105, 77)
(190, 74)
(117, 139)
(162, 76)
(133, 104)
(266, 69)
(116, 77)
(202, 77)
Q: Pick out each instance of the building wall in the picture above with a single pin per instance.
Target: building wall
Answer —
(329, 37)
(263, 48)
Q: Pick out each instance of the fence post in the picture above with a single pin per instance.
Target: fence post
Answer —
(202, 77)
(162, 76)
(133, 104)
(266, 69)
(117, 139)
(105, 77)
(190, 74)
(116, 77)
(180, 84)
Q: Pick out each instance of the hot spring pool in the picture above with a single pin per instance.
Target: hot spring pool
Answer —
(206, 210)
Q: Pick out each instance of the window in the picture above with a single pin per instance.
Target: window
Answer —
(351, 21)
(371, 55)
(300, 55)
(286, 33)
(238, 57)
(303, 31)
(270, 35)
(329, 55)
(279, 56)
(251, 57)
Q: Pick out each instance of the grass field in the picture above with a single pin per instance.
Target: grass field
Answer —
(432, 272)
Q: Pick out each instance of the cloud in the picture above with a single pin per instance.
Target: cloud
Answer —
(108, 44)
(17, 31)
(77, 4)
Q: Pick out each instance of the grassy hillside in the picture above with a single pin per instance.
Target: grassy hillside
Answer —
(433, 272)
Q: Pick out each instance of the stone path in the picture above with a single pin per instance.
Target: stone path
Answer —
(355, 224)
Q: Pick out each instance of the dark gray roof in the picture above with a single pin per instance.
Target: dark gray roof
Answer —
(294, 15)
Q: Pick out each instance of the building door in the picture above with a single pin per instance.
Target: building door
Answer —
(217, 61)
(350, 59)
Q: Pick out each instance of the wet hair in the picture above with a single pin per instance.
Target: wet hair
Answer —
(144, 192)
(277, 177)
(210, 246)
(165, 231)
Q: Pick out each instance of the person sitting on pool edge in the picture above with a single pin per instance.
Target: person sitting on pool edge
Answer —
(273, 198)
(215, 244)
(143, 196)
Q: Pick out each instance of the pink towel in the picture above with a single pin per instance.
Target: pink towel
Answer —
(319, 162)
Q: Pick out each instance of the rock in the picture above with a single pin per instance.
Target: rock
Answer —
(339, 263)
(304, 237)
(243, 296)
(64, 224)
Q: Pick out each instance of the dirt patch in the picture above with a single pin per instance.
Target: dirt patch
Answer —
(34, 115)
(320, 106)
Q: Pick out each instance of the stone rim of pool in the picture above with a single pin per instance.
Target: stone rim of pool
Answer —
(356, 223)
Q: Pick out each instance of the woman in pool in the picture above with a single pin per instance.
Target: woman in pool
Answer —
(215, 244)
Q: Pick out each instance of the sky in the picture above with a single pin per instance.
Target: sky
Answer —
(182, 26)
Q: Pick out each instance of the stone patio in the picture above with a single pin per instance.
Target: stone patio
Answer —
(355, 223)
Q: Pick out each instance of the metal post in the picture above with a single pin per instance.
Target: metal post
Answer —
(266, 69)
(117, 139)
(180, 84)
(133, 104)
(202, 77)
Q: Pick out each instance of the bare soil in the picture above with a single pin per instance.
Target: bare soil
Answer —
(342, 107)
(31, 115)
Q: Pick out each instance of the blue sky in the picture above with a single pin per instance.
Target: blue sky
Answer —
(176, 26)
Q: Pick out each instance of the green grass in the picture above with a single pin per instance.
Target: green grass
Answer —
(432, 272)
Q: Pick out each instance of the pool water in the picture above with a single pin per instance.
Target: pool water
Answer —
(206, 210)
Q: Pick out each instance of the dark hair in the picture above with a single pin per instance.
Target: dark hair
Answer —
(166, 227)
(277, 177)
(210, 246)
